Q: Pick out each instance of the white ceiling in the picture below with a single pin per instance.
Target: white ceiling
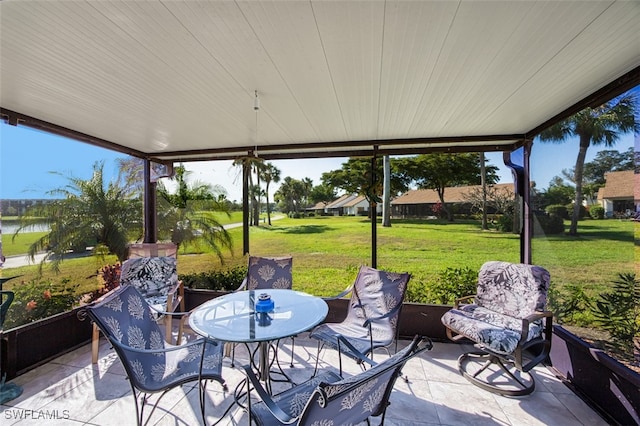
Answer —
(176, 79)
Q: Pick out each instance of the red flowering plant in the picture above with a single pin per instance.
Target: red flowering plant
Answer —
(109, 278)
(39, 299)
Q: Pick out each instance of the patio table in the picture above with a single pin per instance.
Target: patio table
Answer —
(233, 318)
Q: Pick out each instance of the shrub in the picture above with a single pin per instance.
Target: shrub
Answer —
(557, 210)
(451, 284)
(596, 212)
(40, 299)
(222, 280)
(551, 224)
(581, 215)
(569, 304)
(417, 292)
(505, 223)
(618, 311)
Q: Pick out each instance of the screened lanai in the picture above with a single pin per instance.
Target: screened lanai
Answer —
(183, 80)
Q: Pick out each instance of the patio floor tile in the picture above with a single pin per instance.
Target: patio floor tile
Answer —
(71, 391)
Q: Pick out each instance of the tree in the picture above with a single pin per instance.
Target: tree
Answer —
(254, 165)
(290, 195)
(269, 173)
(355, 178)
(438, 171)
(322, 193)
(502, 200)
(594, 172)
(188, 214)
(86, 212)
(558, 192)
(602, 125)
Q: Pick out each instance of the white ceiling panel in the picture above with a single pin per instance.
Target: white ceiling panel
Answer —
(176, 79)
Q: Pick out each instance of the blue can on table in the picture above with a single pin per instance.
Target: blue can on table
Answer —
(264, 303)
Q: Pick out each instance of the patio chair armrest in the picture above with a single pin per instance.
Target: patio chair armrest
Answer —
(459, 300)
(341, 295)
(161, 312)
(266, 398)
(524, 331)
(161, 350)
(424, 344)
(361, 357)
(242, 286)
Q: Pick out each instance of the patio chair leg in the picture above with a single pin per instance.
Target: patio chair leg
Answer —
(293, 345)
(315, 370)
(95, 344)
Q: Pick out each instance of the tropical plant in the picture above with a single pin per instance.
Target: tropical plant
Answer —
(85, 212)
(188, 214)
(601, 125)
(618, 310)
(269, 173)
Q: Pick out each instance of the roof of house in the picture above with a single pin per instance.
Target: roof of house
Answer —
(341, 201)
(619, 185)
(354, 201)
(454, 194)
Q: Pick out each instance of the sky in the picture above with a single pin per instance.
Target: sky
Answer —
(27, 158)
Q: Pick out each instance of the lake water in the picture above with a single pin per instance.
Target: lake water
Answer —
(8, 228)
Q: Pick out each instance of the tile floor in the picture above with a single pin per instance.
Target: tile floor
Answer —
(71, 391)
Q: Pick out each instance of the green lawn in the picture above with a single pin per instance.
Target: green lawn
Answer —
(328, 250)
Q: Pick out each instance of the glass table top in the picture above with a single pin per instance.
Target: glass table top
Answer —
(233, 318)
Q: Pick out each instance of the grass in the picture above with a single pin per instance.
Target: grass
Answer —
(20, 244)
(328, 250)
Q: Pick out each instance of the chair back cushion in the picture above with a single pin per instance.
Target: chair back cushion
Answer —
(355, 399)
(153, 277)
(269, 272)
(376, 293)
(512, 289)
(124, 316)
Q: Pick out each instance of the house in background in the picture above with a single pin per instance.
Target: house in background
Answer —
(345, 205)
(617, 194)
(359, 206)
(420, 203)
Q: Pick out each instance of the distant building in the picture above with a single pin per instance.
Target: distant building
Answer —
(19, 207)
(617, 194)
(420, 203)
(346, 205)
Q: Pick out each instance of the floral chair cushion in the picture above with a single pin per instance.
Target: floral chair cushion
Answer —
(151, 363)
(507, 293)
(154, 277)
(377, 295)
(269, 272)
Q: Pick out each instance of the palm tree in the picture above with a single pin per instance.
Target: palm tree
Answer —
(188, 214)
(255, 165)
(85, 212)
(269, 173)
(602, 125)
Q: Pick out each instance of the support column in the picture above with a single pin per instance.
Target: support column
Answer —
(527, 228)
(522, 188)
(246, 169)
(150, 207)
(373, 207)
